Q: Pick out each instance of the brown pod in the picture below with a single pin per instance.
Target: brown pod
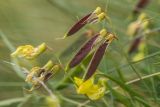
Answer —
(135, 45)
(83, 52)
(97, 57)
(76, 27)
(140, 5)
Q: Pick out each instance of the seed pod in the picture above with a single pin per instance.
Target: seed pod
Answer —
(140, 5)
(76, 27)
(96, 16)
(135, 45)
(83, 52)
(96, 60)
(97, 57)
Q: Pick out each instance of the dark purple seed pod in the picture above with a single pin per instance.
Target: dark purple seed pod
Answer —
(140, 5)
(76, 27)
(48, 76)
(97, 57)
(83, 52)
(135, 45)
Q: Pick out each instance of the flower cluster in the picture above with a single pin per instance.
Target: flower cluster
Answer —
(85, 86)
(36, 74)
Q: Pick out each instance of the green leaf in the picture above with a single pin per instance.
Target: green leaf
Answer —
(10, 101)
(121, 98)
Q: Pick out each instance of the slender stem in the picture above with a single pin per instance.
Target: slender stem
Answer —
(144, 77)
(47, 89)
(134, 62)
(156, 30)
(84, 103)
(74, 102)
(105, 102)
(10, 101)
(136, 80)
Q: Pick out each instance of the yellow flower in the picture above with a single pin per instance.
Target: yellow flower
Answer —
(28, 51)
(93, 91)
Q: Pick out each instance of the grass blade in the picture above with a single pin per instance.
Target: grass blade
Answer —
(125, 100)
(16, 68)
(11, 101)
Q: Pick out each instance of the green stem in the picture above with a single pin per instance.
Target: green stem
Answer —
(74, 102)
(135, 80)
(134, 62)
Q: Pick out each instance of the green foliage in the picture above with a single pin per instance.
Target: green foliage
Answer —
(130, 83)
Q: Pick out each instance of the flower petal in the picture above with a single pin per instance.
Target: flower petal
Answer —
(96, 92)
(85, 86)
(78, 81)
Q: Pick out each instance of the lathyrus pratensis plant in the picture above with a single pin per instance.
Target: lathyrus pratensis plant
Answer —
(86, 85)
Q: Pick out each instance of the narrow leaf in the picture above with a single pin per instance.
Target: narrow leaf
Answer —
(96, 60)
(145, 103)
(9, 102)
(119, 97)
(76, 27)
(83, 52)
(122, 85)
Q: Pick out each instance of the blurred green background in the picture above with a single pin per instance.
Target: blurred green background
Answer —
(36, 21)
